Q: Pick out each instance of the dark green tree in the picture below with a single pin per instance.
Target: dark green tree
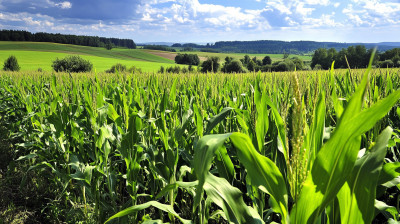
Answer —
(109, 45)
(11, 64)
(210, 65)
(267, 60)
(298, 63)
(246, 59)
(72, 64)
(285, 55)
(234, 66)
(251, 66)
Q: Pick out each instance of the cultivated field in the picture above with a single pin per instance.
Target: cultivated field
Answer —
(34, 55)
(303, 147)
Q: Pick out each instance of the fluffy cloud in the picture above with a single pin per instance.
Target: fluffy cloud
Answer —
(372, 12)
(192, 19)
(294, 13)
(202, 15)
(76, 9)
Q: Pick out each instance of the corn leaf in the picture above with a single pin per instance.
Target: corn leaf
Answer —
(357, 196)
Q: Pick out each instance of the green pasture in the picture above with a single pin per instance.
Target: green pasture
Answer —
(32, 60)
(115, 53)
(34, 55)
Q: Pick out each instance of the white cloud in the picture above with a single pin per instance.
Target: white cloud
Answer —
(64, 5)
(372, 12)
(192, 12)
(31, 22)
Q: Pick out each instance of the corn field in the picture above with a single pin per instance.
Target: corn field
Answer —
(298, 147)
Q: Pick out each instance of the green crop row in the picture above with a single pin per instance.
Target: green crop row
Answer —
(298, 147)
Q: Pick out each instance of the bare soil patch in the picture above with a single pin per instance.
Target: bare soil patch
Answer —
(164, 54)
(169, 55)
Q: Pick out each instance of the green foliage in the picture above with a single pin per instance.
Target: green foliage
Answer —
(210, 65)
(72, 64)
(176, 69)
(267, 60)
(11, 64)
(108, 46)
(187, 59)
(205, 148)
(233, 66)
(122, 68)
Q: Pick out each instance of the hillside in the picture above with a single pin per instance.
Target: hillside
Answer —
(280, 47)
(34, 55)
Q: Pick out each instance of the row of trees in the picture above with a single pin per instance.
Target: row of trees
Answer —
(357, 57)
(277, 47)
(159, 47)
(247, 64)
(187, 59)
(92, 41)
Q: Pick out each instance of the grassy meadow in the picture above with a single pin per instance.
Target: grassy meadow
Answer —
(200, 148)
(34, 55)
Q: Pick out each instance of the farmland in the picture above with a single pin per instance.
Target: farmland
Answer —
(238, 56)
(201, 148)
(34, 55)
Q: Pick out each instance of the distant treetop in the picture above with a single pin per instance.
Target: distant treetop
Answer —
(92, 41)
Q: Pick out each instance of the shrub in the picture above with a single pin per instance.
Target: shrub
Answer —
(133, 69)
(317, 67)
(281, 67)
(234, 66)
(117, 67)
(122, 68)
(11, 64)
(267, 60)
(187, 59)
(210, 65)
(72, 64)
(386, 64)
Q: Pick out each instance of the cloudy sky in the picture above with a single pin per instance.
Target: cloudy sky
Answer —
(205, 21)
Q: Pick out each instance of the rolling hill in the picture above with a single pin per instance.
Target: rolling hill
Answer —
(34, 55)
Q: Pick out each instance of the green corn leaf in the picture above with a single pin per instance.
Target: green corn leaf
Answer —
(314, 138)
(263, 174)
(136, 208)
(386, 210)
(203, 156)
(280, 125)
(198, 120)
(230, 200)
(175, 186)
(224, 164)
(328, 175)
(357, 196)
(153, 222)
(390, 175)
(218, 118)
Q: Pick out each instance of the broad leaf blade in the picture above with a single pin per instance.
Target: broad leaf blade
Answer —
(357, 196)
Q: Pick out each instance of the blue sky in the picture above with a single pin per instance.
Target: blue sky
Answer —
(205, 21)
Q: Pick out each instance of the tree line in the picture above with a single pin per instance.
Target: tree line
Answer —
(92, 41)
(354, 57)
(278, 47)
(231, 65)
(159, 47)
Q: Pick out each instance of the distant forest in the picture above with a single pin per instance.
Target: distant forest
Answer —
(280, 47)
(92, 41)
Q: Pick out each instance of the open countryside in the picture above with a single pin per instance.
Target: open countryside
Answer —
(192, 125)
